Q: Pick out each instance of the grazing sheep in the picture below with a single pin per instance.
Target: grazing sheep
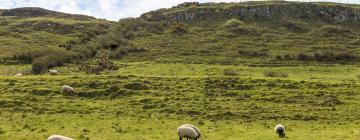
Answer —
(187, 132)
(193, 127)
(280, 130)
(67, 89)
(58, 137)
(53, 72)
(19, 74)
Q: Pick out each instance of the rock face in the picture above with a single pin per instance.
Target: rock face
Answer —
(39, 12)
(328, 12)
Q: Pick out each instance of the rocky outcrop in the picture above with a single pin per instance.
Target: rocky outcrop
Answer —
(39, 12)
(328, 12)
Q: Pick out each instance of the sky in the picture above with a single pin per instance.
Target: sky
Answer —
(111, 9)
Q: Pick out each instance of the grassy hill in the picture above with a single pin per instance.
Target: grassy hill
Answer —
(233, 69)
(244, 32)
(25, 29)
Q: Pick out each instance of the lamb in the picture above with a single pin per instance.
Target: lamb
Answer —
(193, 127)
(59, 137)
(67, 89)
(280, 130)
(53, 72)
(187, 132)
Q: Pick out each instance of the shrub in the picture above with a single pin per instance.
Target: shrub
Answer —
(253, 53)
(332, 55)
(39, 65)
(44, 58)
(101, 65)
(279, 57)
(230, 72)
(136, 86)
(119, 53)
(275, 74)
(180, 28)
(303, 57)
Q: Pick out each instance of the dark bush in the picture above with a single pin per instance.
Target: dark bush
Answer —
(180, 28)
(303, 57)
(275, 74)
(136, 86)
(39, 65)
(119, 53)
(44, 58)
(331, 55)
(279, 57)
(322, 56)
(253, 53)
(100, 65)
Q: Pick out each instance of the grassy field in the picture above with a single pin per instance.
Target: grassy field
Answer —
(234, 77)
(147, 100)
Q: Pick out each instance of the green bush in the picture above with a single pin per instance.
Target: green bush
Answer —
(45, 58)
(39, 65)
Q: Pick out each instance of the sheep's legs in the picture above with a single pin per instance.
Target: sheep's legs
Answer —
(180, 138)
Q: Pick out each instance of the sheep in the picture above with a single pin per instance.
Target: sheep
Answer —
(53, 72)
(187, 132)
(18, 74)
(194, 127)
(280, 130)
(67, 89)
(59, 137)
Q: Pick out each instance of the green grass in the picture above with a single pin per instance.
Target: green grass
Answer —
(197, 77)
(314, 102)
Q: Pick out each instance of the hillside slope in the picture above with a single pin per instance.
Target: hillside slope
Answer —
(248, 32)
(23, 29)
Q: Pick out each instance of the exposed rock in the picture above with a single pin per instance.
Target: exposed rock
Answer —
(328, 12)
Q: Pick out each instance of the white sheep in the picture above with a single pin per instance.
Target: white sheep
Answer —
(53, 72)
(67, 89)
(187, 132)
(59, 137)
(280, 130)
(19, 74)
(193, 127)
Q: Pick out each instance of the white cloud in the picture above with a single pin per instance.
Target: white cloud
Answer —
(109, 9)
